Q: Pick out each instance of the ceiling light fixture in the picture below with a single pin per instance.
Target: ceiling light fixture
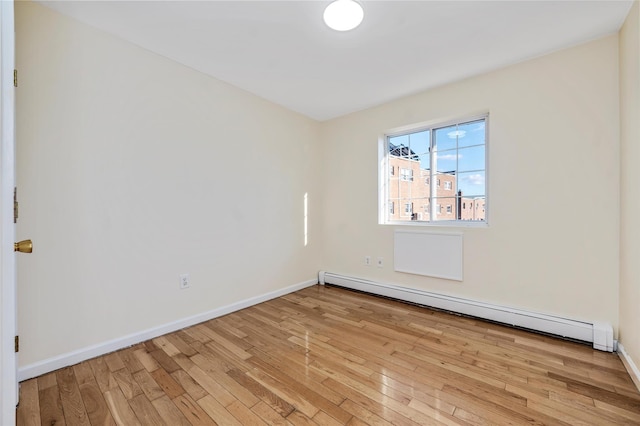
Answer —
(343, 15)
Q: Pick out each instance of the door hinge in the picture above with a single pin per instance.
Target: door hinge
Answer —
(15, 205)
(15, 78)
(17, 343)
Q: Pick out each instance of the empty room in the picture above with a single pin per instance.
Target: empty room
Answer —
(262, 212)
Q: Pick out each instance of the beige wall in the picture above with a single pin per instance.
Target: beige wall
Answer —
(629, 181)
(134, 169)
(552, 241)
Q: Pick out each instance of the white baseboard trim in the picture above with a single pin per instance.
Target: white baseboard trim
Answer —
(631, 366)
(45, 366)
(598, 333)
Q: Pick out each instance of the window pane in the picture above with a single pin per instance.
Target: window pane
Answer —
(445, 184)
(399, 146)
(424, 161)
(471, 158)
(445, 138)
(405, 189)
(472, 208)
(474, 133)
(393, 204)
(446, 208)
(419, 142)
(472, 183)
(446, 161)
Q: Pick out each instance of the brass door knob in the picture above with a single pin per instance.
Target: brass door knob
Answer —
(25, 246)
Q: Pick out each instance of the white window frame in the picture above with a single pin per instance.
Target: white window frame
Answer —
(384, 181)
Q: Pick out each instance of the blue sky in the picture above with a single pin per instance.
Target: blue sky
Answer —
(459, 147)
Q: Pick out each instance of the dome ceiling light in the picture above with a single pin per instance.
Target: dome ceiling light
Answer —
(343, 15)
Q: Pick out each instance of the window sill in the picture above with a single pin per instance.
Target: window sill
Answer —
(439, 224)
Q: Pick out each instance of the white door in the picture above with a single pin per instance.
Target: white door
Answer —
(8, 359)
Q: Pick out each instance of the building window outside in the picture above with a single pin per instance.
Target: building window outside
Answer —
(454, 152)
(408, 208)
(406, 175)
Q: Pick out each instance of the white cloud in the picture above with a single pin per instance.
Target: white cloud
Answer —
(476, 179)
(449, 156)
(457, 134)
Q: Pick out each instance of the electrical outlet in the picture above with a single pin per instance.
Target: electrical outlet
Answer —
(380, 262)
(184, 281)
(367, 260)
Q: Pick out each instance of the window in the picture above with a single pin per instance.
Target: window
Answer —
(452, 155)
(406, 175)
(408, 208)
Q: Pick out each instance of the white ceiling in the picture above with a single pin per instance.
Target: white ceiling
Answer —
(283, 52)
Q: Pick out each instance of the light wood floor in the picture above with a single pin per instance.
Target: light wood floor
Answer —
(329, 356)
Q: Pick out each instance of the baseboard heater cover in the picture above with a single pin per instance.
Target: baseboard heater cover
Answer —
(600, 334)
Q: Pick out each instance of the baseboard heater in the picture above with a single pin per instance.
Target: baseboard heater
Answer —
(600, 334)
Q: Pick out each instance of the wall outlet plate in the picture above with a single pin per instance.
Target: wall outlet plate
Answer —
(380, 262)
(367, 260)
(184, 281)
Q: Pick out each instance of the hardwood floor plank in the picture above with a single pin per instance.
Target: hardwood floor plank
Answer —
(114, 363)
(83, 373)
(146, 412)
(210, 385)
(170, 387)
(206, 360)
(149, 363)
(103, 376)
(163, 343)
(192, 411)
(130, 361)
(72, 405)
(51, 407)
(171, 415)
(28, 413)
(269, 415)
(364, 415)
(179, 343)
(274, 401)
(217, 412)
(309, 394)
(95, 404)
(194, 390)
(164, 360)
(149, 386)
(128, 385)
(122, 413)
(47, 380)
(244, 415)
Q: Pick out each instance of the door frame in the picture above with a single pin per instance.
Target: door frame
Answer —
(8, 296)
